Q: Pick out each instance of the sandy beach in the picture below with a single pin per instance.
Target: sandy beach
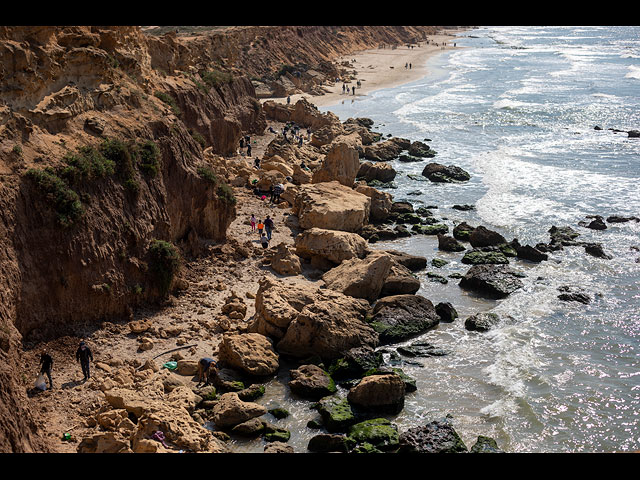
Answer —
(381, 68)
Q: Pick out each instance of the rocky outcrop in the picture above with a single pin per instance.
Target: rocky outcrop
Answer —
(341, 161)
(306, 321)
(331, 245)
(331, 206)
(398, 318)
(497, 281)
(360, 278)
(445, 173)
(250, 353)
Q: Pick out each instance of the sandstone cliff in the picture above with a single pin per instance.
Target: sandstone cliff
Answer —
(111, 140)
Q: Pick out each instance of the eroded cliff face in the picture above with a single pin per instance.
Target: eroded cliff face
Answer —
(74, 242)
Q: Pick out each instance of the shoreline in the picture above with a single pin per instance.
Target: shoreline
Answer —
(380, 68)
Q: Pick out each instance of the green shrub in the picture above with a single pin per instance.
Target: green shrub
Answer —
(120, 153)
(170, 101)
(225, 193)
(64, 200)
(87, 164)
(148, 155)
(207, 174)
(164, 263)
(214, 78)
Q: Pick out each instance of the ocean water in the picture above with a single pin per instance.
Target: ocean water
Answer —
(516, 108)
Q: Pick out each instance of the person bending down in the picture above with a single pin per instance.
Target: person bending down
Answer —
(207, 369)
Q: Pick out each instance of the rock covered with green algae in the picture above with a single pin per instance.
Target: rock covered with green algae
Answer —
(378, 433)
(336, 413)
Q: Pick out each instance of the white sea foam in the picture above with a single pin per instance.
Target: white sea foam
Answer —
(634, 72)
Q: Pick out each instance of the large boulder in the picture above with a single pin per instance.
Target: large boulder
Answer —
(380, 203)
(376, 171)
(332, 206)
(386, 150)
(445, 173)
(328, 327)
(494, 281)
(400, 317)
(341, 162)
(399, 281)
(310, 381)
(230, 411)
(360, 278)
(435, 437)
(277, 305)
(379, 393)
(284, 260)
(251, 353)
(483, 237)
(332, 245)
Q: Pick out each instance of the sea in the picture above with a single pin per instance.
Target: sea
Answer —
(538, 116)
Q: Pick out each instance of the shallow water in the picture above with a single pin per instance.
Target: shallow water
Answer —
(517, 108)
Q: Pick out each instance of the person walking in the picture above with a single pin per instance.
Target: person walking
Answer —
(207, 369)
(46, 364)
(260, 227)
(253, 222)
(268, 227)
(248, 150)
(84, 356)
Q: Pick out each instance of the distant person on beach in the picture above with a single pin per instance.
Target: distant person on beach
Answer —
(288, 99)
(353, 90)
(277, 191)
(268, 227)
(264, 241)
(84, 356)
(253, 222)
(249, 150)
(256, 163)
(46, 364)
(207, 369)
(260, 227)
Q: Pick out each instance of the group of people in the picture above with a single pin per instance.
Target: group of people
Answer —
(246, 141)
(265, 229)
(83, 356)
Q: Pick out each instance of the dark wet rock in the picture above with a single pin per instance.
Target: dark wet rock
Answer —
(409, 158)
(438, 262)
(527, 252)
(449, 244)
(412, 262)
(620, 219)
(495, 281)
(481, 322)
(435, 437)
(445, 173)
(421, 349)
(485, 445)
(597, 223)
(420, 149)
(446, 312)
(434, 277)
(562, 236)
(400, 317)
(596, 250)
(337, 414)
(570, 294)
(435, 229)
(328, 442)
(464, 208)
(483, 237)
(633, 133)
(402, 231)
(425, 211)
(463, 231)
(401, 207)
(410, 218)
(478, 257)
(355, 363)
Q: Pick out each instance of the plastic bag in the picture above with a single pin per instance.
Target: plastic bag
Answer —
(41, 383)
(171, 365)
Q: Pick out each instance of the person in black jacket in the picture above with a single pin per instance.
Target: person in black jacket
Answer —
(46, 363)
(84, 355)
